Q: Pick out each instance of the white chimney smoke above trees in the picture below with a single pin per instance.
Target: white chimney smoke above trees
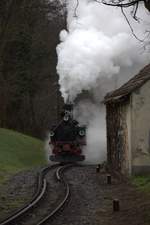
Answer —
(97, 43)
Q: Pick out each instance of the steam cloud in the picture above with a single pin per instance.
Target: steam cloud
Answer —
(88, 113)
(98, 43)
(47, 146)
(97, 46)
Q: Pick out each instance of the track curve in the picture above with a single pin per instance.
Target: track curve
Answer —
(41, 189)
(60, 178)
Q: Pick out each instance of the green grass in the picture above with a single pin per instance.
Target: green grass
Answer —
(19, 152)
(142, 183)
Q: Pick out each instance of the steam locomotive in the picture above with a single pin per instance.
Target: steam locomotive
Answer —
(67, 138)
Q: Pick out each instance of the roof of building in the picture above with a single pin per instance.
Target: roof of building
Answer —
(126, 89)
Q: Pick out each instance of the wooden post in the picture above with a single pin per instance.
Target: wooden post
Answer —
(98, 168)
(116, 205)
(108, 179)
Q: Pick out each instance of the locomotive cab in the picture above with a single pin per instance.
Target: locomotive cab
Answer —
(67, 138)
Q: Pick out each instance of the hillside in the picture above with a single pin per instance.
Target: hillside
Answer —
(19, 152)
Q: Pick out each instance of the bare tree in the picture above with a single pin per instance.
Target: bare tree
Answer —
(125, 4)
(134, 5)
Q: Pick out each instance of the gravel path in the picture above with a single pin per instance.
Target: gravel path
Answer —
(91, 199)
(86, 197)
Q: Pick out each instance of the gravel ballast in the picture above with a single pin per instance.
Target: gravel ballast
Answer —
(16, 192)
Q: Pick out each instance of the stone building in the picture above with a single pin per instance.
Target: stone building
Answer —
(128, 125)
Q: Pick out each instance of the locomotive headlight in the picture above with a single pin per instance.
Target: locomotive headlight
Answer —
(66, 118)
(52, 133)
(82, 133)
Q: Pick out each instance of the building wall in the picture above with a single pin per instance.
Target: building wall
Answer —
(129, 138)
(140, 129)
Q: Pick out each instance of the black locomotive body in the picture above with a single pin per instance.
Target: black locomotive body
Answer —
(67, 138)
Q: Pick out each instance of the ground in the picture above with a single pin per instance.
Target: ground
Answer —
(91, 202)
(16, 191)
(91, 198)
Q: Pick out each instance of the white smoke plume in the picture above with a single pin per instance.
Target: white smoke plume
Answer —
(93, 116)
(97, 53)
(98, 43)
(47, 147)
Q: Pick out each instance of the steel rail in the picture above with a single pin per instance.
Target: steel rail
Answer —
(60, 177)
(41, 189)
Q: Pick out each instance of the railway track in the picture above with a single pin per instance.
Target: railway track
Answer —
(60, 178)
(41, 190)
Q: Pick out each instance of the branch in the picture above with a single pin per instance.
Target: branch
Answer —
(130, 26)
(75, 11)
(124, 5)
(135, 11)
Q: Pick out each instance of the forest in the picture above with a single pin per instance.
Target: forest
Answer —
(29, 93)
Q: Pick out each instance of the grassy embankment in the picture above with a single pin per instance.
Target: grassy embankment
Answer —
(142, 183)
(19, 152)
